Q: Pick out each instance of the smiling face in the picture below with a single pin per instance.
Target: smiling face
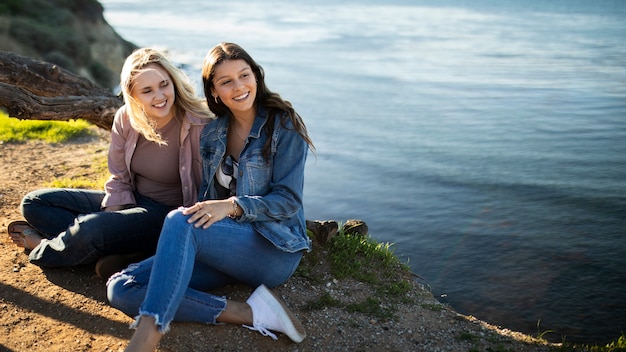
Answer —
(234, 83)
(154, 90)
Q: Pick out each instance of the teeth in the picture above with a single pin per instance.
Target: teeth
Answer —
(243, 96)
(160, 105)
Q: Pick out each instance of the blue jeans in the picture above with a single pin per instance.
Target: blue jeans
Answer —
(77, 232)
(189, 261)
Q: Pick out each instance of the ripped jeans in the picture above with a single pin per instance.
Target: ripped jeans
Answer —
(172, 285)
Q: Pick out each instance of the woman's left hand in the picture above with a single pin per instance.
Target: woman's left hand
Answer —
(204, 214)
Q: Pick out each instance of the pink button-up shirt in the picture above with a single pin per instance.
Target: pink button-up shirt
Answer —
(121, 184)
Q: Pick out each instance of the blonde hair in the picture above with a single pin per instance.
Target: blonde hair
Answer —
(186, 98)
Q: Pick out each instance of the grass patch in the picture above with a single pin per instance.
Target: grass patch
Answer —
(619, 345)
(372, 307)
(437, 307)
(358, 257)
(15, 130)
(325, 300)
(363, 258)
(467, 336)
(99, 166)
(396, 288)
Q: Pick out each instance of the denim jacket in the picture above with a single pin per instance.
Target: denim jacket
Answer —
(268, 191)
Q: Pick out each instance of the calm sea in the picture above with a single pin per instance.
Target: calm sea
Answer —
(485, 139)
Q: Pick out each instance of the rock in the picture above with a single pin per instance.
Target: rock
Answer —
(353, 226)
(323, 231)
(74, 35)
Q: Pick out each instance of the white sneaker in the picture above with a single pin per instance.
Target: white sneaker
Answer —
(270, 313)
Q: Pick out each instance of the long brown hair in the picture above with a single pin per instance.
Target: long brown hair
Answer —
(271, 101)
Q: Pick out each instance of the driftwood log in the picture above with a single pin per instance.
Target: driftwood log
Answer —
(37, 90)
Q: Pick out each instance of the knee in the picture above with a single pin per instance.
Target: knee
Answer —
(126, 289)
(115, 289)
(28, 200)
(119, 294)
(34, 199)
(175, 216)
(174, 222)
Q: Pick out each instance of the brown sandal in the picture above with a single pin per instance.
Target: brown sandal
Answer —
(19, 237)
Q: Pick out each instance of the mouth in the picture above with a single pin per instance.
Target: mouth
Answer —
(241, 97)
(160, 105)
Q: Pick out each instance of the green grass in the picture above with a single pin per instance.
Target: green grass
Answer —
(619, 345)
(361, 258)
(98, 166)
(15, 130)
(325, 300)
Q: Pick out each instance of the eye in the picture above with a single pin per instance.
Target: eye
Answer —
(165, 83)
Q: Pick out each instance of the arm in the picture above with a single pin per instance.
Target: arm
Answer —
(119, 186)
(282, 199)
(276, 194)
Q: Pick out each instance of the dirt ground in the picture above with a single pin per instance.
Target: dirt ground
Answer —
(66, 309)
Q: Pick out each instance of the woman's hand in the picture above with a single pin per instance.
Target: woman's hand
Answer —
(208, 212)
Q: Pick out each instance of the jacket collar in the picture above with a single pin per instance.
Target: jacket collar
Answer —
(257, 126)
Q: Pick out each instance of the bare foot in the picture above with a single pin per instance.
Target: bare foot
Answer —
(146, 337)
(23, 235)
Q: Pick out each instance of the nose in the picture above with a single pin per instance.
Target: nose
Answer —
(238, 83)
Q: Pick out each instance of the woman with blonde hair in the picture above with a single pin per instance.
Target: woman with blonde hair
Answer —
(155, 166)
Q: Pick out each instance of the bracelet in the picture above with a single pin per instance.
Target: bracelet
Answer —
(234, 215)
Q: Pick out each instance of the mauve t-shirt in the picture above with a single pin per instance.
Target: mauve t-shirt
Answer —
(156, 167)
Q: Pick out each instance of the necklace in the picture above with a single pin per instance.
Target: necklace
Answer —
(237, 134)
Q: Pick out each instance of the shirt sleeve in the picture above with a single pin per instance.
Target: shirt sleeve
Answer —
(119, 187)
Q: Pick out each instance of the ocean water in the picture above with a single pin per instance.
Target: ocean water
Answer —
(485, 139)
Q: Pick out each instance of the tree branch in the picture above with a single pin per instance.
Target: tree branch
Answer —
(37, 90)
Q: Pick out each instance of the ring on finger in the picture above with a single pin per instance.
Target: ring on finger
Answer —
(208, 214)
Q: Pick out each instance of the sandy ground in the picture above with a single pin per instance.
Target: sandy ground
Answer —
(66, 309)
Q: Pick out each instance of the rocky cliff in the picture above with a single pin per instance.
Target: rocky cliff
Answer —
(71, 34)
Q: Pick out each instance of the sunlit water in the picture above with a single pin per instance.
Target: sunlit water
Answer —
(486, 139)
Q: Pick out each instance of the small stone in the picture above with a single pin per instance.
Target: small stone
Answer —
(358, 227)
